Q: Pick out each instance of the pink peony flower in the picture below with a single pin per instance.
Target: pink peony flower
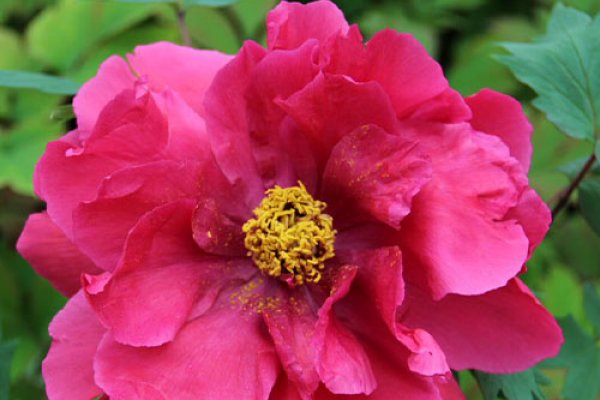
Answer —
(314, 219)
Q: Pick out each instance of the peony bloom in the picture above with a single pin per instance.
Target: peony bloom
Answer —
(315, 219)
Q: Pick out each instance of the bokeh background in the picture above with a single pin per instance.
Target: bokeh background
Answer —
(70, 38)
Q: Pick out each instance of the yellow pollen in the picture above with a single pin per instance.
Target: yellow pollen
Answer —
(290, 237)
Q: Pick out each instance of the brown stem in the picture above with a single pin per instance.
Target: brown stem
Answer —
(183, 28)
(565, 194)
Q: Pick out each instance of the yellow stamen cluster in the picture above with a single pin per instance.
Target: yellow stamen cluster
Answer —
(290, 236)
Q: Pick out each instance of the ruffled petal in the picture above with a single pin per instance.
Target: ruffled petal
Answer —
(185, 70)
(331, 107)
(456, 238)
(101, 226)
(227, 118)
(376, 173)
(113, 77)
(289, 25)
(500, 115)
(161, 276)
(69, 174)
(381, 287)
(503, 331)
(52, 255)
(533, 215)
(224, 354)
(314, 346)
(67, 369)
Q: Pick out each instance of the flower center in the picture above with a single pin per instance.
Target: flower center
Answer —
(290, 236)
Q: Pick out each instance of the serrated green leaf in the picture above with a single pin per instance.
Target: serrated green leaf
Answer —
(580, 355)
(6, 355)
(42, 82)
(589, 202)
(519, 386)
(563, 67)
(591, 304)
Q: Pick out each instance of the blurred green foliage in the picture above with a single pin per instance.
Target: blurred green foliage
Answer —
(70, 38)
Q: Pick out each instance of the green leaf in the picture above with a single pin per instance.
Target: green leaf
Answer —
(32, 80)
(6, 354)
(589, 202)
(210, 3)
(563, 67)
(521, 386)
(580, 355)
(61, 35)
(591, 303)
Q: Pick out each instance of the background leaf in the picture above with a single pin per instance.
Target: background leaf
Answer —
(521, 386)
(563, 67)
(31, 80)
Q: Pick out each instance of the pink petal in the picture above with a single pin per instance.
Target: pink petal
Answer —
(101, 226)
(64, 179)
(52, 255)
(185, 70)
(112, 78)
(402, 66)
(226, 117)
(448, 107)
(223, 354)
(398, 62)
(315, 347)
(376, 173)
(215, 232)
(150, 295)
(381, 286)
(395, 381)
(67, 369)
(500, 115)
(456, 239)
(275, 77)
(533, 215)
(342, 363)
(284, 389)
(289, 25)
(69, 174)
(331, 107)
(503, 331)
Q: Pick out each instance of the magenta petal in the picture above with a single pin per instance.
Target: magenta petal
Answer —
(342, 365)
(314, 346)
(222, 355)
(226, 117)
(151, 293)
(291, 24)
(331, 107)
(374, 172)
(381, 284)
(403, 68)
(52, 255)
(503, 331)
(187, 71)
(457, 238)
(56, 173)
(501, 115)
(101, 226)
(112, 78)
(215, 232)
(67, 369)
(533, 215)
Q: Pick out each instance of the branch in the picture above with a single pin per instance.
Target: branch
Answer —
(566, 193)
(183, 28)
